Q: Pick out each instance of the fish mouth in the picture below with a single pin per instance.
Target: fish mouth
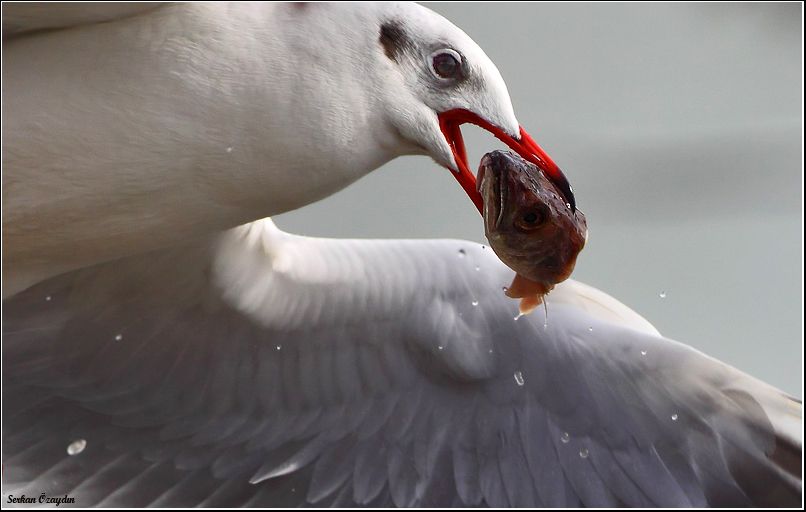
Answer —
(522, 143)
(492, 184)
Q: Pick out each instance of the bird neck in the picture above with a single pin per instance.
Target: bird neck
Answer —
(201, 118)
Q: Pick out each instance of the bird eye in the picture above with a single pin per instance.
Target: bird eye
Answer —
(531, 219)
(446, 63)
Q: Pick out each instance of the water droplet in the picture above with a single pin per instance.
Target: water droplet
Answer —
(504, 288)
(440, 347)
(590, 329)
(48, 298)
(517, 316)
(229, 149)
(519, 378)
(278, 347)
(583, 452)
(643, 352)
(568, 205)
(118, 337)
(76, 447)
(674, 417)
(490, 351)
(462, 253)
(565, 437)
(475, 303)
(478, 268)
(662, 295)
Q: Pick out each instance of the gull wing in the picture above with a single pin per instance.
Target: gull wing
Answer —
(266, 369)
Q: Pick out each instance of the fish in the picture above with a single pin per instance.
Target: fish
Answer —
(530, 226)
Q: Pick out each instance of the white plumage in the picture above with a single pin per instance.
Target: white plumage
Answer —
(186, 119)
(255, 367)
(260, 368)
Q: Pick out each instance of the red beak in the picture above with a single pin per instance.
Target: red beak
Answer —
(526, 147)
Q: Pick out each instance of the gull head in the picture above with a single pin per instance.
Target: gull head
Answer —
(439, 79)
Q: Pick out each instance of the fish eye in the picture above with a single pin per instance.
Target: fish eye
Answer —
(531, 219)
(446, 63)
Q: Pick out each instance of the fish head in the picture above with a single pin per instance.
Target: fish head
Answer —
(528, 222)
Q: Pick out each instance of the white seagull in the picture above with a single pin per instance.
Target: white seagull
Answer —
(171, 365)
(259, 368)
(130, 127)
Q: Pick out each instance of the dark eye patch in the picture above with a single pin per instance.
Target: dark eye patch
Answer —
(393, 39)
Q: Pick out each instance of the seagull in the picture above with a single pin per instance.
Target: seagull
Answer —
(131, 127)
(149, 360)
(262, 368)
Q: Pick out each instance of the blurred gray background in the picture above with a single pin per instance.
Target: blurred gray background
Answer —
(679, 126)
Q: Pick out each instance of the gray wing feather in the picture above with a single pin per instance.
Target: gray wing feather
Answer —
(264, 369)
